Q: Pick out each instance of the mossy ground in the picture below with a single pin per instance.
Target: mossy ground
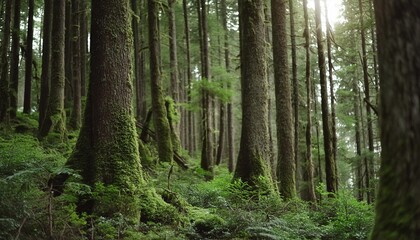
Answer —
(187, 208)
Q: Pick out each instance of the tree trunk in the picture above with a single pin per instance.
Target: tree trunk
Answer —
(398, 208)
(139, 59)
(68, 55)
(332, 98)
(46, 62)
(207, 140)
(308, 190)
(14, 64)
(76, 114)
(295, 89)
(173, 52)
(331, 178)
(371, 190)
(162, 126)
(27, 101)
(107, 149)
(4, 80)
(254, 153)
(190, 132)
(83, 46)
(358, 163)
(284, 114)
(55, 115)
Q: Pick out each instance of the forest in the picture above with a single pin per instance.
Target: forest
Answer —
(210, 119)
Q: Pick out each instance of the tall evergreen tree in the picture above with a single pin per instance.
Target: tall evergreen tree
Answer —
(14, 63)
(27, 100)
(286, 161)
(308, 191)
(160, 116)
(55, 116)
(254, 154)
(46, 62)
(4, 78)
(330, 173)
(107, 149)
(397, 207)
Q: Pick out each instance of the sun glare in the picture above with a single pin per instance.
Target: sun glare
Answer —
(334, 10)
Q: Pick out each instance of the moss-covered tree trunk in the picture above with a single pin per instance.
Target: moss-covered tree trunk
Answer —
(254, 153)
(162, 126)
(286, 161)
(54, 121)
(107, 149)
(4, 78)
(46, 62)
(397, 203)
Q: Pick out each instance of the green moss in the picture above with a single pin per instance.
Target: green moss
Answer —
(203, 221)
(154, 209)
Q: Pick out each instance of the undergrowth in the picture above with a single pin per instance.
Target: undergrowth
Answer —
(216, 209)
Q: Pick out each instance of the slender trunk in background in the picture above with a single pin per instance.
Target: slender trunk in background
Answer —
(4, 78)
(331, 178)
(284, 113)
(207, 140)
(358, 163)
(371, 190)
(223, 107)
(135, 24)
(318, 145)
(308, 191)
(83, 47)
(374, 52)
(76, 114)
(332, 98)
(55, 116)
(295, 90)
(46, 62)
(397, 205)
(27, 100)
(14, 63)
(162, 127)
(173, 53)
(68, 56)
(190, 123)
(270, 78)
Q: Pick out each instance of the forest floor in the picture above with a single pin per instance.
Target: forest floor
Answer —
(218, 209)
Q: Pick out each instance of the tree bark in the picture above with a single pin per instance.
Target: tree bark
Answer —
(308, 191)
(68, 55)
(284, 114)
(398, 208)
(332, 98)
(107, 149)
(371, 190)
(14, 63)
(254, 153)
(76, 114)
(162, 126)
(331, 178)
(83, 46)
(295, 89)
(207, 161)
(55, 115)
(4, 80)
(27, 100)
